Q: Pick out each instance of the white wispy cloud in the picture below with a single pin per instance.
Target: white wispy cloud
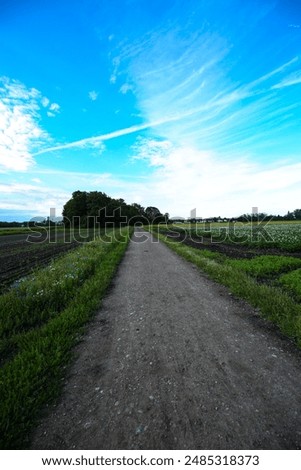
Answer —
(190, 79)
(93, 95)
(151, 150)
(54, 107)
(125, 88)
(116, 63)
(178, 180)
(45, 102)
(33, 199)
(189, 110)
(186, 178)
(53, 110)
(97, 140)
(52, 188)
(21, 132)
(20, 188)
(292, 79)
(274, 72)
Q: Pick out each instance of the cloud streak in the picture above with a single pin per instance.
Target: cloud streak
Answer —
(192, 78)
(192, 105)
(97, 140)
(292, 79)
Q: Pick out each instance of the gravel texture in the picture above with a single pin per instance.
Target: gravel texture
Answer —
(173, 361)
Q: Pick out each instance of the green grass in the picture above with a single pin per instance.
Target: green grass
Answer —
(274, 303)
(266, 265)
(14, 231)
(46, 293)
(292, 283)
(38, 338)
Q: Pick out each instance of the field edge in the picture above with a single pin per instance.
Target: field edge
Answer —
(34, 377)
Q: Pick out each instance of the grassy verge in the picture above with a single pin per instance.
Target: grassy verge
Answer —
(266, 265)
(292, 283)
(57, 302)
(275, 304)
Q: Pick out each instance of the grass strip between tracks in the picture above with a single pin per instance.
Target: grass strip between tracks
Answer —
(32, 376)
(273, 303)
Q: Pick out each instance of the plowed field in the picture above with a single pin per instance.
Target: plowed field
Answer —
(18, 256)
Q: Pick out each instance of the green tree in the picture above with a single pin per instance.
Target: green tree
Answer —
(75, 210)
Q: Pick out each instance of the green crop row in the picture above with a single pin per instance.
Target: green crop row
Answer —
(283, 271)
(266, 265)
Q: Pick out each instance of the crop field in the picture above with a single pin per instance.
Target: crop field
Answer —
(23, 250)
(261, 264)
(14, 231)
(42, 316)
(283, 236)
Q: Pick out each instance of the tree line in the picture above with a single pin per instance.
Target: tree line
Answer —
(85, 209)
(294, 215)
(95, 208)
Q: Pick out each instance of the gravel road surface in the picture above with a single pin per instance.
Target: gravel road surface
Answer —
(172, 361)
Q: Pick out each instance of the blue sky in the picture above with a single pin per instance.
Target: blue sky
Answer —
(176, 104)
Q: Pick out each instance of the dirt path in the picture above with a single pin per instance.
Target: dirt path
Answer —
(172, 361)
